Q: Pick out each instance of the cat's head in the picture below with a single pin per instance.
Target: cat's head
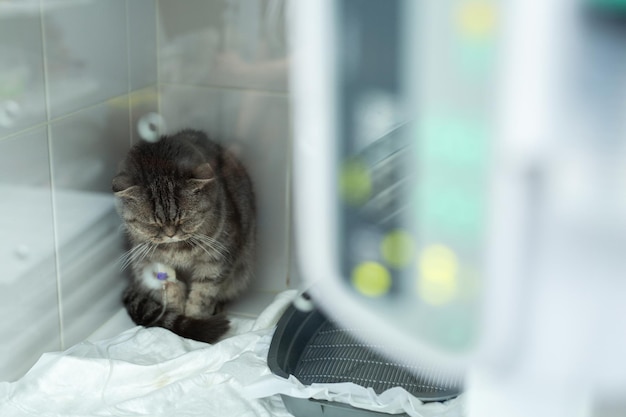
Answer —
(166, 209)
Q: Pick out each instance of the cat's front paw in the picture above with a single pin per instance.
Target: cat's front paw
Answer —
(196, 311)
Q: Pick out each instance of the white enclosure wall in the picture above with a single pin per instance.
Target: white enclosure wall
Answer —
(76, 77)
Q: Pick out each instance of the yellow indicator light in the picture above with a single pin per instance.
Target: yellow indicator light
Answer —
(476, 19)
(398, 248)
(355, 184)
(371, 279)
(437, 278)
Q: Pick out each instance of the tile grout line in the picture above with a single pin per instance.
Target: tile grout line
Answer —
(72, 114)
(157, 17)
(128, 72)
(223, 87)
(24, 131)
(289, 203)
(55, 226)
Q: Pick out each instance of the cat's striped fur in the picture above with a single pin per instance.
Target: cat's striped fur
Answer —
(186, 203)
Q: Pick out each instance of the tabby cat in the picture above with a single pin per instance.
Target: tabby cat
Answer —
(188, 207)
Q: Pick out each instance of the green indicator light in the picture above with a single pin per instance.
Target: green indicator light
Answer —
(398, 248)
(355, 183)
(371, 279)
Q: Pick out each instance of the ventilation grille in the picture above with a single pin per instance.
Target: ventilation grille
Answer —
(336, 355)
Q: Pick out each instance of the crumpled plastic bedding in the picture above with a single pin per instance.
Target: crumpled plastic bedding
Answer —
(153, 372)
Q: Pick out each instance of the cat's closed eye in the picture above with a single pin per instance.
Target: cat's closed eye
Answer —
(147, 228)
(187, 226)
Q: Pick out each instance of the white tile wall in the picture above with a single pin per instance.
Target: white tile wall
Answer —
(22, 100)
(86, 148)
(223, 69)
(189, 106)
(227, 43)
(28, 285)
(142, 43)
(73, 75)
(86, 53)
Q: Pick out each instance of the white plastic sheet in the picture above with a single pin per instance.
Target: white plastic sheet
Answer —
(393, 401)
(153, 372)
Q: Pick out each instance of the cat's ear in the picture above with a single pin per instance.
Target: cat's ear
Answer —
(202, 176)
(122, 186)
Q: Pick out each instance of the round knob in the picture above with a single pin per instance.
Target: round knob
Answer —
(150, 127)
(9, 112)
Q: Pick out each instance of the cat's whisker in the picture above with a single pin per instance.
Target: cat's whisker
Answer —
(207, 247)
(128, 256)
(154, 246)
(130, 251)
(215, 246)
(198, 245)
(128, 261)
(145, 253)
(138, 254)
(125, 264)
(213, 243)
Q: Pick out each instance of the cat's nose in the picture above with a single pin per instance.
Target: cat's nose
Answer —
(170, 231)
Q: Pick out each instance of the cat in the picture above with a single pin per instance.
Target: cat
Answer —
(188, 207)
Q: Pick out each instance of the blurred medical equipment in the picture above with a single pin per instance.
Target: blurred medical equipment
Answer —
(460, 188)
